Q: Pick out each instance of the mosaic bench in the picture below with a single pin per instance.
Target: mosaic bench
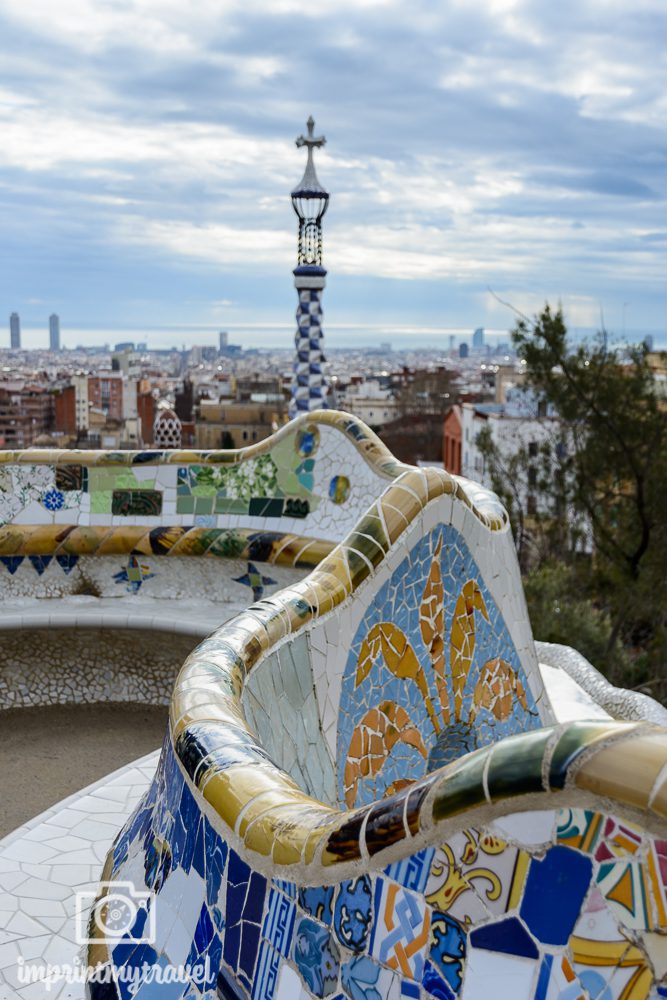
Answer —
(366, 792)
(99, 549)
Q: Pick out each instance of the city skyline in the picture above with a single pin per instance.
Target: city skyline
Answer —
(473, 152)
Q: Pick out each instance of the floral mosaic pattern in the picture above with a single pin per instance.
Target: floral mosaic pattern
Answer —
(190, 503)
(467, 919)
(432, 674)
(36, 489)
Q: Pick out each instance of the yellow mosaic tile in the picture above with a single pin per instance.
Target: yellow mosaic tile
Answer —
(626, 770)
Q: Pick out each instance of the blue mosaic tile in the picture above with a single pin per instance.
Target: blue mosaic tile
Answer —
(67, 563)
(560, 879)
(435, 985)
(448, 949)
(412, 872)
(359, 978)
(508, 936)
(277, 937)
(40, 563)
(316, 956)
(318, 902)
(246, 891)
(353, 912)
(11, 563)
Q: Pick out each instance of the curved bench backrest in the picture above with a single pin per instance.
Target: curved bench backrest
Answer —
(430, 658)
(105, 515)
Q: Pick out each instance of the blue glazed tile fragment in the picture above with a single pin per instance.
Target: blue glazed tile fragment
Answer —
(215, 851)
(279, 921)
(435, 985)
(358, 978)
(266, 973)
(318, 902)
(316, 956)
(203, 931)
(508, 936)
(543, 978)
(412, 872)
(246, 892)
(143, 953)
(595, 985)
(40, 563)
(555, 889)
(448, 948)
(353, 914)
(199, 856)
(11, 563)
(67, 563)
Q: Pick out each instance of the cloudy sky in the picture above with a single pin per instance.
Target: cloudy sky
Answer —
(474, 147)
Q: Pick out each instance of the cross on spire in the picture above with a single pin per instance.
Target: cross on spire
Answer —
(309, 140)
(310, 187)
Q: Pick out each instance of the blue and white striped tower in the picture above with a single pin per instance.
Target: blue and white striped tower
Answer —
(310, 387)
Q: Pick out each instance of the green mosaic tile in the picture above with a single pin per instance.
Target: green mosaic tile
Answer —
(296, 508)
(100, 502)
(462, 788)
(228, 505)
(516, 764)
(266, 507)
(204, 505)
(185, 505)
(138, 503)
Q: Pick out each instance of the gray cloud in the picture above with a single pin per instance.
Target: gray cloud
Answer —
(482, 143)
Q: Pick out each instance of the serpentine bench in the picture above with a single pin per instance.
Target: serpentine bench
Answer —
(106, 553)
(366, 791)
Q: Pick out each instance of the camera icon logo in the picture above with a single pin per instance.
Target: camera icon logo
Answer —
(123, 912)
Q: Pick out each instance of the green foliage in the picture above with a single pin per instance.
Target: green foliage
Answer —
(605, 468)
(561, 611)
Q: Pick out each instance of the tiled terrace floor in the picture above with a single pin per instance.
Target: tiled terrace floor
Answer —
(44, 864)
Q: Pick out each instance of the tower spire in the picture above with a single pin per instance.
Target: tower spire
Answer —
(310, 387)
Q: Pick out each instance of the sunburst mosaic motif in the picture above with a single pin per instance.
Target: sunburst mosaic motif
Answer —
(432, 674)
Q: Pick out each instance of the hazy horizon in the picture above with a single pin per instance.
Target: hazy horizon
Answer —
(274, 336)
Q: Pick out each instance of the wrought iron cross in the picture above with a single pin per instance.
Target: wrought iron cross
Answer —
(308, 140)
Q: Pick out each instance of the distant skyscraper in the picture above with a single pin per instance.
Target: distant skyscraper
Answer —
(478, 339)
(15, 331)
(310, 387)
(463, 350)
(224, 340)
(54, 332)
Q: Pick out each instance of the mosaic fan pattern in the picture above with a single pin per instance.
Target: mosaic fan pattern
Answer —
(432, 674)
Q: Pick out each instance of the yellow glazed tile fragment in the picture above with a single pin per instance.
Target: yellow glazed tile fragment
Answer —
(626, 770)
(120, 541)
(405, 500)
(415, 481)
(86, 541)
(229, 791)
(182, 715)
(659, 799)
(394, 519)
(273, 798)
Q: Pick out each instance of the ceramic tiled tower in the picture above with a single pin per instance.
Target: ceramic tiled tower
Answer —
(167, 429)
(310, 387)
